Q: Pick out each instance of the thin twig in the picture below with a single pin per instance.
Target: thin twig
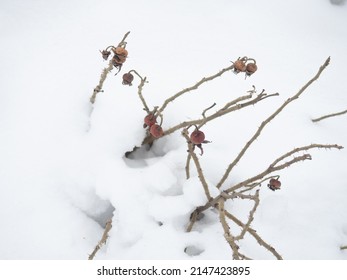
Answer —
(140, 87)
(251, 216)
(187, 165)
(253, 232)
(194, 87)
(272, 168)
(200, 122)
(329, 116)
(122, 42)
(343, 247)
(103, 77)
(227, 234)
(264, 123)
(204, 112)
(197, 165)
(102, 240)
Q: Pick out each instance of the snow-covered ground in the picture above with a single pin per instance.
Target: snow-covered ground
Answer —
(63, 172)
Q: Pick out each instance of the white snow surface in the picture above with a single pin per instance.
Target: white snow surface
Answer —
(62, 167)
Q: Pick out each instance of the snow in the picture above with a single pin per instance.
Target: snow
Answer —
(63, 173)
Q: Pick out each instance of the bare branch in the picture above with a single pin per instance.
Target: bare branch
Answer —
(251, 216)
(271, 117)
(122, 42)
(274, 167)
(197, 164)
(102, 241)
(230, 192)
(187, 166)
(251, 231)
(105, 72)
(103, 77)
(329, 116)
(202, 121)
(204, 112)
(343, 247)
(194, 87)
(227, 234)
(139, 92)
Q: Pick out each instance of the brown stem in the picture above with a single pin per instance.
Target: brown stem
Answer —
(251, 216)
(139, 92)
(272, 168)
(105, 72)
(329, 116)
(251, 231)
(194, 87)
(227, 234)
(103, 77)
(202, 121)
(187, 165)
(102, 240)
(122, 42)
(264, 123)
(197, 165)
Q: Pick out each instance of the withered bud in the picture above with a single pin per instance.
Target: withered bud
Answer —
(105, 54)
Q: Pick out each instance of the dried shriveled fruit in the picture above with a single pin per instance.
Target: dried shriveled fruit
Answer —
(120, 56)
(274, 184)
(197, 137)
(239, 66)
(120, 51)
(127, 79)
(150, 120)
(251, 68)
(156, 131)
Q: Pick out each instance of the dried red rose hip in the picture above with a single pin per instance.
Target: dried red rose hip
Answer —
(197, 137)
(251, 68)
(274, 184)
(239, 66)
(127, 79)
(150, 119)
(156, 131)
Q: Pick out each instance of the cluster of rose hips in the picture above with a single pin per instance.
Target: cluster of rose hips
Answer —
(246, 65)
(120, 55)
(274, 184)
(197, 138)
(154, 129)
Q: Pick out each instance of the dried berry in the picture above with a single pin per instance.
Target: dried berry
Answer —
(197, 137)
(127, 79)
(156, 131)
(251, 68)
(120, 54)
(239, 66)
(120, 51)
(149, 120)
(105, 54)
(274, 184)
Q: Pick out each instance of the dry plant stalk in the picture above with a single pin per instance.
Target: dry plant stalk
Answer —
(231, 106)
(105, 72)
(343, 247)
(329, 116)
(102, 240)
(194, 87)
(270, 118)
(242, 190)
